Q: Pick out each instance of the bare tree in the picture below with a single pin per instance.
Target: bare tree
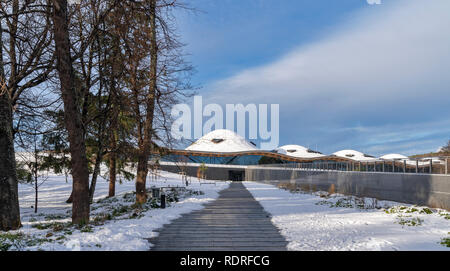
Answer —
(25, 62)
(32, 160)
(157, 77)
(446, 148)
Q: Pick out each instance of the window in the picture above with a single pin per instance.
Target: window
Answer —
(217, 140)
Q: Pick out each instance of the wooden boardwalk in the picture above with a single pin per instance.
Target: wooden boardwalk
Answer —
(233, 222)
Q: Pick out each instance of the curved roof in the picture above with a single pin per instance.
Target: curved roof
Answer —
(393, 156)
(355, 155)
(222, 140)
(298, 151)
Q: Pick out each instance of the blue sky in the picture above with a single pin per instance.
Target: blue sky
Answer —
(227, 36)
(347, 75)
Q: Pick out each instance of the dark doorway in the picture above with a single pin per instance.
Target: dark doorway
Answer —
(236, 175)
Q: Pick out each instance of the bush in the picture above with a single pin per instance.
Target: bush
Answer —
(445, 241)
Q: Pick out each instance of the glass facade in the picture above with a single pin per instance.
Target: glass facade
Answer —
(270, 158)
(243, 160)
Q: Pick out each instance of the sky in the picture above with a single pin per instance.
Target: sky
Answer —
(346, 74)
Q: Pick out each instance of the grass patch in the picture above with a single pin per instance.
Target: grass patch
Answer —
(129, 197)
(86, 228)
(19, 241)
(445, 215)
(55, 216)
(120, 210)
(409, 221)
(349, 202)
(101, 218)
(55, 226)
(409, 210)
(445, 241)
(196, 192)
(115, 208)
(107, 200)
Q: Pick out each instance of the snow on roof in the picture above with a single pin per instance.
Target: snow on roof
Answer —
(222, 140)
(355, 155)
(393, 156)
(298, 151)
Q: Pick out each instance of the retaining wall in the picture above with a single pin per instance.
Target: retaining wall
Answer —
(422, 189)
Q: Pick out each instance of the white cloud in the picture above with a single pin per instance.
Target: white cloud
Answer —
(387, 63)
(400, 52)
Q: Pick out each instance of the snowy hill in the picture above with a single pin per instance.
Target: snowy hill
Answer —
(222, 141)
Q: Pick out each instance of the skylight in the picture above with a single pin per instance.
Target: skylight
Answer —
(217, 140)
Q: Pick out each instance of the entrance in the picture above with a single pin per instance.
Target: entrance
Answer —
(236, 175)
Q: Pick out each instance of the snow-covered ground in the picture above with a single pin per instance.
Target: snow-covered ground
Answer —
(116, 225)
(311, 222)
(307, 220)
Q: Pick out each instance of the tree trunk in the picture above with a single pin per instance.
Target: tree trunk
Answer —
(115, 69)
(72, 115)
(112, 174)
(113, 146)
(98, 162)
(150, 111)
(35, 192)
(142, 171)
(9, 199)
(70, 199)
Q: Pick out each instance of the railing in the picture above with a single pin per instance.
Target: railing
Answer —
(419, 166)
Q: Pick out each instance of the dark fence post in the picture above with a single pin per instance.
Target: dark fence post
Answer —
(163, 200)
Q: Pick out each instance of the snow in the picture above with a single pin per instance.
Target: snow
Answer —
(232, 142)
(393, 156)
(308, 223)
(297, 151)
(396, 156)
(122, 233)
(355, 155)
